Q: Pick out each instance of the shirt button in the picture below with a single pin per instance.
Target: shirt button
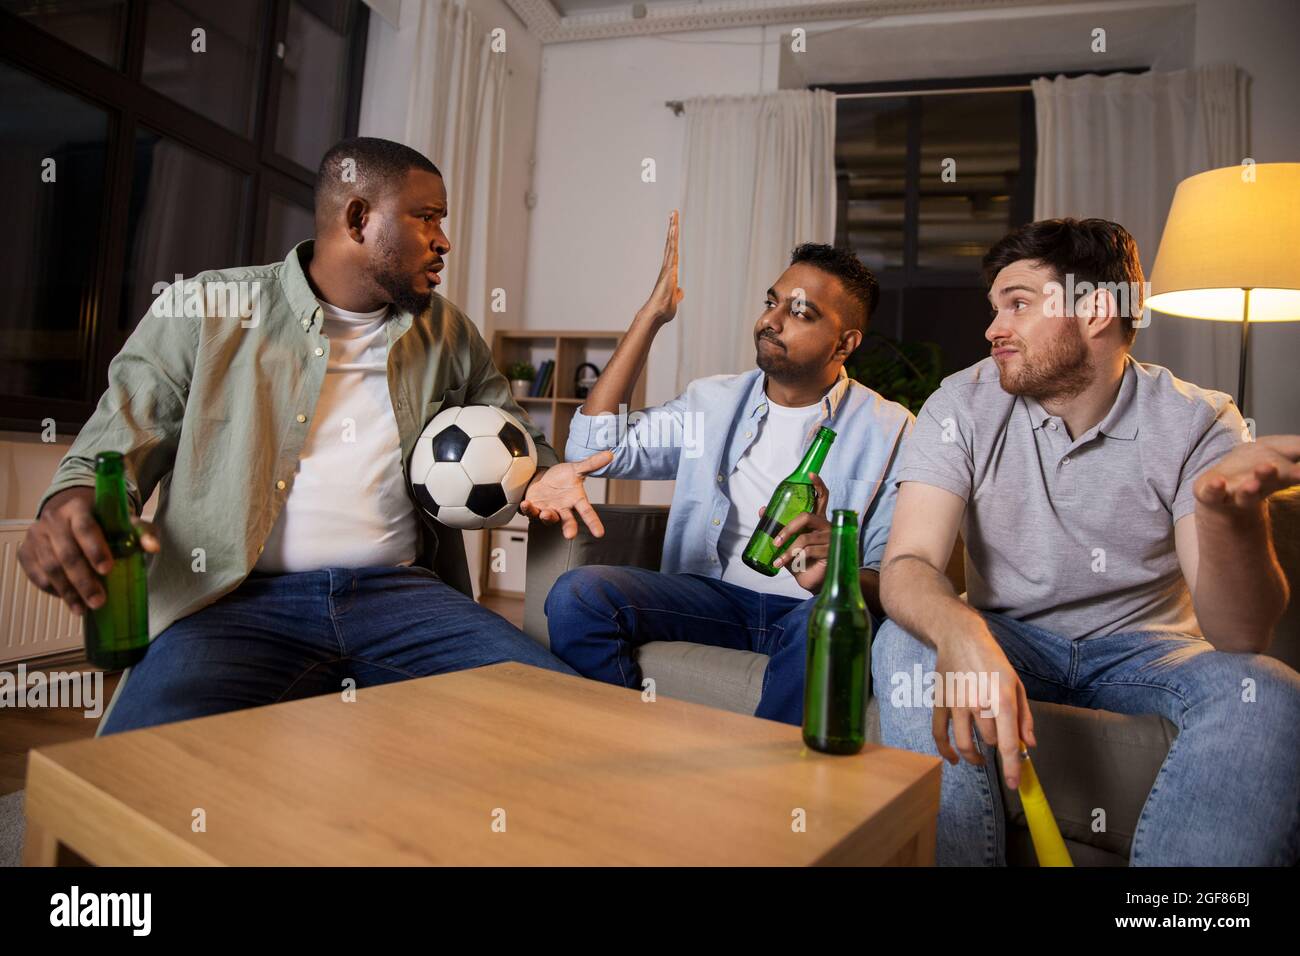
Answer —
(301, 419)
(719, 477)
(280, 484)
(1065, 461)
(320, 351)
(715, 520)
(748, 434)
(1051, 425)
(261, 548)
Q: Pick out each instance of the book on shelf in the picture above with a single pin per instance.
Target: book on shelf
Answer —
(542, 381)
(550, 376)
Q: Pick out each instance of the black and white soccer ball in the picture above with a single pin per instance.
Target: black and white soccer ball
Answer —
(471, 465)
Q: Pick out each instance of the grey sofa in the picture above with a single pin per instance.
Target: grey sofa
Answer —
(1086, 758)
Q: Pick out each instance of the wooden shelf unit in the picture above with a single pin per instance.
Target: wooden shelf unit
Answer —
(553, 413)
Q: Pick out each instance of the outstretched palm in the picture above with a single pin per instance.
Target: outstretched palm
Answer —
(556, 493)
(1249, 473)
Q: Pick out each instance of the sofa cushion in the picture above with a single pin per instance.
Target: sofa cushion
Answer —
(714, 676)
(717, 677)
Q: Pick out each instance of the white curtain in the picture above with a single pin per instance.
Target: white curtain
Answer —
(1116, 147)
(456, 117)
(759, 180)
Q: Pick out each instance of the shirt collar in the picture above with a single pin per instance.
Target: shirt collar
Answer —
(1120, 422)
(302, 300)
(830, 402)
(297, 290)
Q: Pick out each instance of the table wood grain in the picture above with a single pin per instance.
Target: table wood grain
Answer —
(502, 765)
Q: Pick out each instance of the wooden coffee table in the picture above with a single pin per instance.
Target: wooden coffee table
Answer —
(501, 765)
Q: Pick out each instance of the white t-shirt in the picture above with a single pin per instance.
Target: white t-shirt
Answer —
(775, 453)
(348, 507)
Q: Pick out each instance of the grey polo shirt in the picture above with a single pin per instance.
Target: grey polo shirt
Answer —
(1075, 536)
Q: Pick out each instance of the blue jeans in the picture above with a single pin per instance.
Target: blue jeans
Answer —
(283, 637)
(599, 615)
(1228, 793)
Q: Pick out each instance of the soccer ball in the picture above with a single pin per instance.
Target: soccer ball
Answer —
(471, 465)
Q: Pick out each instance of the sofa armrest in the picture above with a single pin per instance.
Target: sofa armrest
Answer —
(634, 537)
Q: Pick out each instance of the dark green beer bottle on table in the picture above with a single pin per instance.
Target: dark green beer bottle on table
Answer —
(792, 497)
(117, 634)
(837, 682)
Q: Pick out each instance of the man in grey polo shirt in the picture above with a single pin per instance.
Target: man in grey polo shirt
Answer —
(1118, 556)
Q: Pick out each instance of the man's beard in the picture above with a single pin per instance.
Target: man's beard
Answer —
(775, 363)
(1062, 370)
(394, 281)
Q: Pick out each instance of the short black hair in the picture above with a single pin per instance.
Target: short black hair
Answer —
(858, 280)
(363, 164)
(1093, 250)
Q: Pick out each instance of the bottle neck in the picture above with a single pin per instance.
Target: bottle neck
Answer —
(112, 509)
(815, 457)
(842, 584)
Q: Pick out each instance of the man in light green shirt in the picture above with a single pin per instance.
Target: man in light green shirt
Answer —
(226, 398)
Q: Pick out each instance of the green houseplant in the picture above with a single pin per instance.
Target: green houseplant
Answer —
(903, 372)
(521, 375)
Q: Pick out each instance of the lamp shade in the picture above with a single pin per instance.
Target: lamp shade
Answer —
(1229, 230)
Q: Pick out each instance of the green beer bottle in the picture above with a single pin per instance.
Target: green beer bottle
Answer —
(117, 634)
(837, 682)
(792, 497)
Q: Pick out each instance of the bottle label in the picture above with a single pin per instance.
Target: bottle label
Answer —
(769, 526)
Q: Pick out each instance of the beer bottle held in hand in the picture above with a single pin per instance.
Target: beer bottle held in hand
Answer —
(117, 633)
(837, 682)
(792, 497)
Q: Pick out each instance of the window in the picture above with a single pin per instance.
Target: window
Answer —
(144, 140)
(926, 182)
(57, 144)
(206, 58)
(94, 28)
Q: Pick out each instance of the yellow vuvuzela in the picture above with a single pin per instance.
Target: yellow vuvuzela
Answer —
(1048, 845)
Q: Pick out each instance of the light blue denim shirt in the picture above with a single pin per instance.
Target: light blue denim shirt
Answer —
(699, 437)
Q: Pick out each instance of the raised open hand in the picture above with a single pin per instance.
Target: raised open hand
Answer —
(662, 304)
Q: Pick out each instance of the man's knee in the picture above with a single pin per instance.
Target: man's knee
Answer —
(578, 589)
(1243, 683)
(579, 595)
(581, 592)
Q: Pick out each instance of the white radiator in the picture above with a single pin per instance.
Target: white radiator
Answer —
(32, 623)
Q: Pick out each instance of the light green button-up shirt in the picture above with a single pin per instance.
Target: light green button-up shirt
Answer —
(215, 408)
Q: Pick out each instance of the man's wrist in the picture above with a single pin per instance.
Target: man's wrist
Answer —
(649, 319)
(969, 627)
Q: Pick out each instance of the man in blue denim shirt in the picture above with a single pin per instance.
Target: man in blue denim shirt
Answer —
(728, 440)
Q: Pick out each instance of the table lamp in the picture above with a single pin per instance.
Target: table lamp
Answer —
(1231, 250)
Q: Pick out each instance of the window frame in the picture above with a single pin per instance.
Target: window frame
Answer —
(129, 104)
(911, 275)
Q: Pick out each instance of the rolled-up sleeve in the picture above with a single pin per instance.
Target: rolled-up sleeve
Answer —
(647, 444)
(142, 411)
